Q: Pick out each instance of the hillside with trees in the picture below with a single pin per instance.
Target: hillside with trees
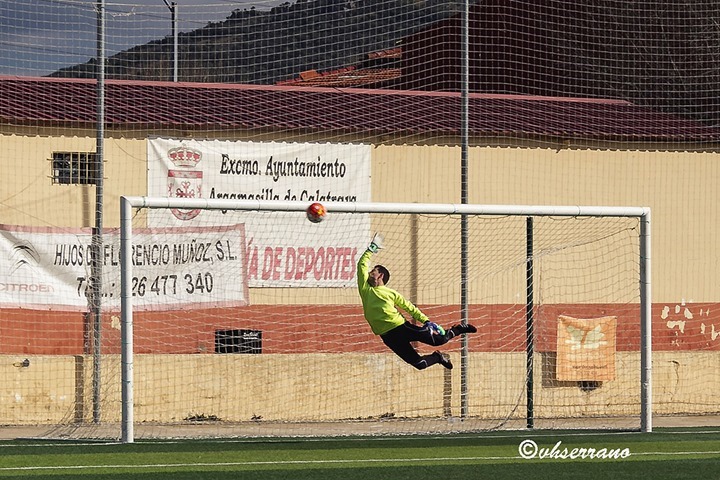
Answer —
(660, 54)
(263, 47)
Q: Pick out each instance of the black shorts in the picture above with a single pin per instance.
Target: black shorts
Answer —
(398, 340)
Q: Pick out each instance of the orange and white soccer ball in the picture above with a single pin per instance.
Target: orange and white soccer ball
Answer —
(316, 212)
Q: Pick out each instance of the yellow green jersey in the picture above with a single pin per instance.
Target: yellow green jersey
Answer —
(380, 303)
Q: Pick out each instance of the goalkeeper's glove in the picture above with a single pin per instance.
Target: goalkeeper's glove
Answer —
(434, 328)
(376, 243)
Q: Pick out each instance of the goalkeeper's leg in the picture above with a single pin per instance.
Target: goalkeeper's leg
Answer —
(459, 330)
(398, 340)
(423, 334)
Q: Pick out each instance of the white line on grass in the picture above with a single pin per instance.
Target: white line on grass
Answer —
(306, 462)
(676, 453)
(255, 463)
(482, 435)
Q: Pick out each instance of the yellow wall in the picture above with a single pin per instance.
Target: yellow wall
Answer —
(679, 186)
(330, 387)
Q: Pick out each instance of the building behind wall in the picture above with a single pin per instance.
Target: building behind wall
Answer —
(524, 150)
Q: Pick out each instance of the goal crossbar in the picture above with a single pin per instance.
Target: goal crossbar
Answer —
(389, 207)
(129, 203)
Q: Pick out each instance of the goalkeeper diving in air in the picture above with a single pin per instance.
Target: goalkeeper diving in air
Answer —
(380, 309)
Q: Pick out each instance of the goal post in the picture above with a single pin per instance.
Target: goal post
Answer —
(590, 304)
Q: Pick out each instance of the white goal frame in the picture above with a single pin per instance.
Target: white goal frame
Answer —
(128, 203)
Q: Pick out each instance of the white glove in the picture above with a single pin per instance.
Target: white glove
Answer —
(376, 243)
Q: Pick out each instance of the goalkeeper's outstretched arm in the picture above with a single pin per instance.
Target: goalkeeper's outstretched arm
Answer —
(376, 243)
(363, 266)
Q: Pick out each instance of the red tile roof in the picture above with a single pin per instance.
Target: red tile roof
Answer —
(387, 53)
(348, 77)
(26, 100)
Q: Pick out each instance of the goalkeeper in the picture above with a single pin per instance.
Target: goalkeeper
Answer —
(380, 309)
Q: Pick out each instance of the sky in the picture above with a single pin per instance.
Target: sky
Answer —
(38, 37)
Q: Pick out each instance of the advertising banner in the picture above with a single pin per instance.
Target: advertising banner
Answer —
(50, 268)
(284, 249)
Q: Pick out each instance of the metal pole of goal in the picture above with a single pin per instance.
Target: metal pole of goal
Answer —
(529, 325)
(126, 322)
(128, 203)
(645, 325)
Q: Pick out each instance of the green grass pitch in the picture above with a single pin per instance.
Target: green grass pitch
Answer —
(664, 454)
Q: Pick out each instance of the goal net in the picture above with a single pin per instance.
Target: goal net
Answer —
(242, 318)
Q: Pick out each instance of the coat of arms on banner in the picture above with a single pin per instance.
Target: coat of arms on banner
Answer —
(185, 183)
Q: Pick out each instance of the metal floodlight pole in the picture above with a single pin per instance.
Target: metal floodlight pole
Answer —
(464, 235)
(173, 7)
(97, 237)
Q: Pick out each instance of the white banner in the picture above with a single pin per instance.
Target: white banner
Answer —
(284, 250)
(173, 268)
